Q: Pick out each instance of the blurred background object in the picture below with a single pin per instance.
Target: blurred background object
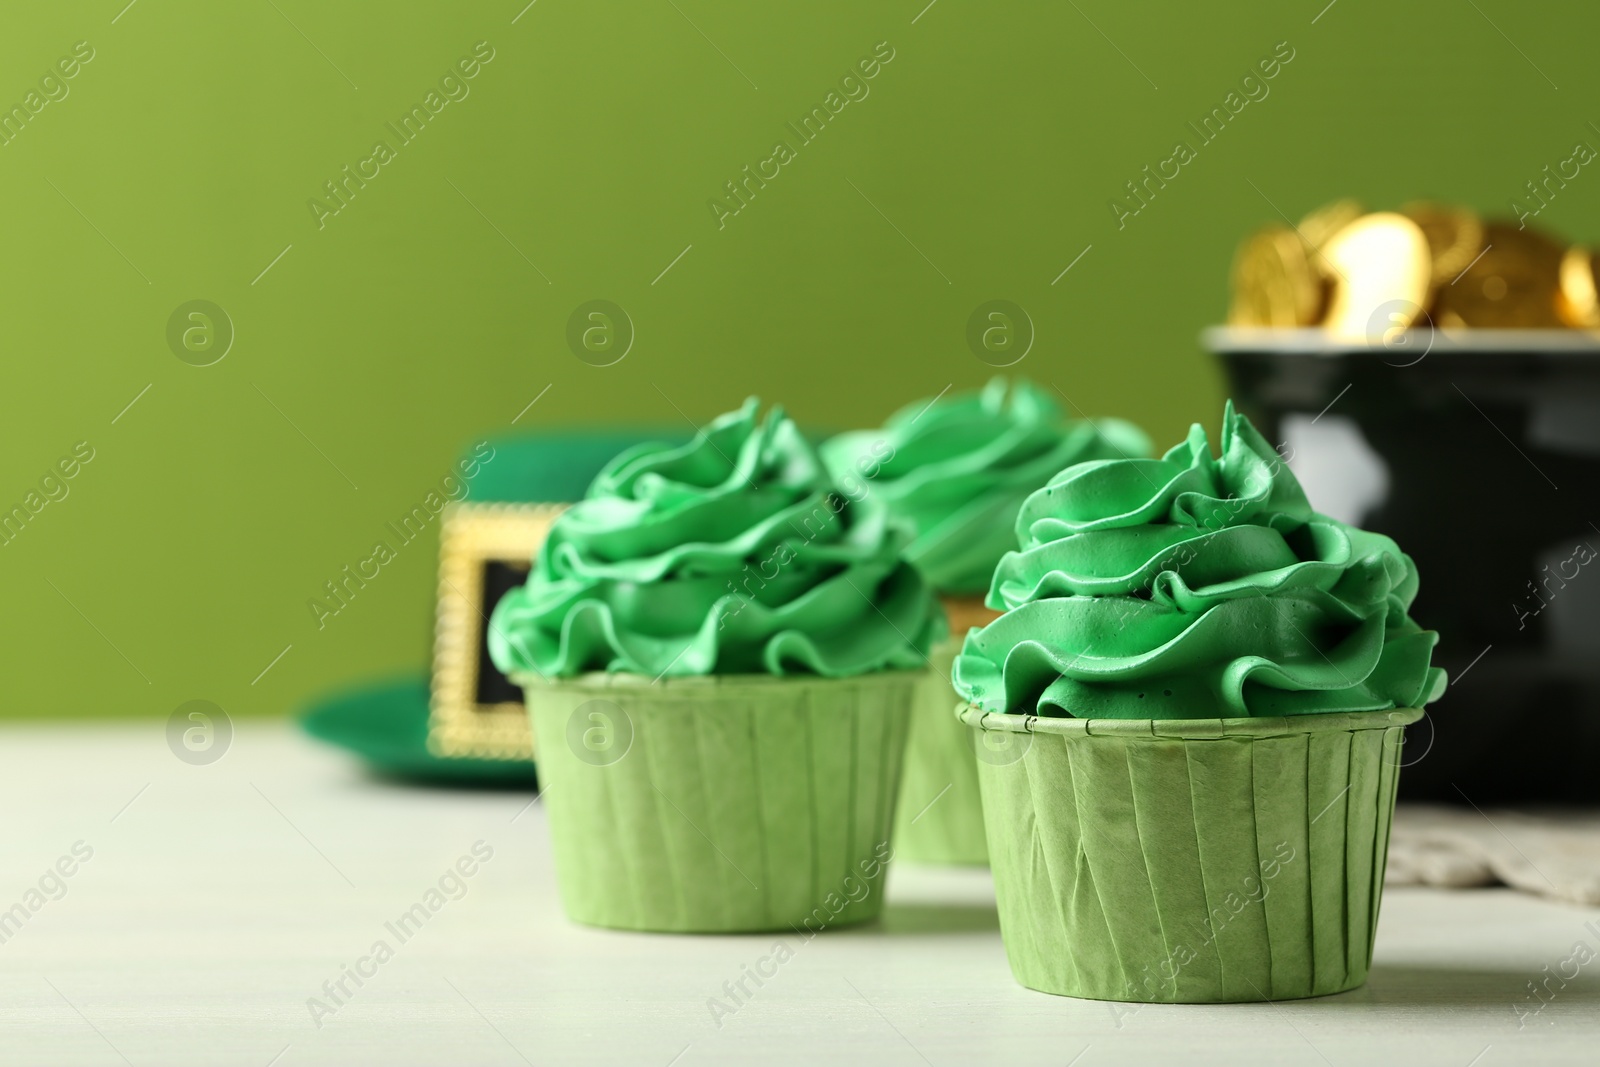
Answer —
(1556, 853)
(1429, 266)
(1384, 328)
(266, 371)
(465, 723)
(1480, 454)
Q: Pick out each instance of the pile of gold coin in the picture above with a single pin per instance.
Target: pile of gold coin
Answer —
(1362, 275)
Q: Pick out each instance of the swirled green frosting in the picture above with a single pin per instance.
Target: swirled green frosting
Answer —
(732, 554)
(1195, 587)
(958, 469)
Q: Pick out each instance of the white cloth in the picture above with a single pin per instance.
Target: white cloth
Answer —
(1551, 853)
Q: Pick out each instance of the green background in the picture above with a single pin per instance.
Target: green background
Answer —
(983, 162)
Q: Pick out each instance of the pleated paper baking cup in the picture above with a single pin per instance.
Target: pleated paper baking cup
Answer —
(1189, 860)
(721, 804)
(940, 815)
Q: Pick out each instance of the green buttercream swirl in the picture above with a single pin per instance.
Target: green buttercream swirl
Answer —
(1193, 587)
(732, 554)
(958, 469)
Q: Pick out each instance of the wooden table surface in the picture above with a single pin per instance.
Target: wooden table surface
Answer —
(217, 901)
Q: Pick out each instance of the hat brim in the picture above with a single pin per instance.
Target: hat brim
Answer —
(385, 724)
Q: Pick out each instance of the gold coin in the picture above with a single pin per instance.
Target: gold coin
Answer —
(1273, 285)
(1579, 305)
(1455, 237)
(1318, 228)
(1382, 276)
(1514, 284)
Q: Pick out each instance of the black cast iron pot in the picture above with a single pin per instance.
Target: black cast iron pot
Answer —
(1479, 453)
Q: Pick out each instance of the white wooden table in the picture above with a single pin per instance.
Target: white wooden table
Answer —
(219, 900)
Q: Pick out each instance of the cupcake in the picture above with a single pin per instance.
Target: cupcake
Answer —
(1193, 703)
(719, 652)
(957, 469)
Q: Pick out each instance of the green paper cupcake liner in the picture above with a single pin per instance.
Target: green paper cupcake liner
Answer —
(724, 804)
(1189, 861)
(940, 815)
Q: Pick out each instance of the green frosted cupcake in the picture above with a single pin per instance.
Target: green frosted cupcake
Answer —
(1190, 716)
(719, 652)
(957, 469)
